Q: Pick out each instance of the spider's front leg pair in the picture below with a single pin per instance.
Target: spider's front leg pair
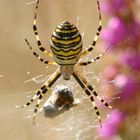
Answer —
(42, 49)
(49, 54)
(93, 43)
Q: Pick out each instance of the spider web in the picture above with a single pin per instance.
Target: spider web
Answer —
(80, 122)
(76, 123)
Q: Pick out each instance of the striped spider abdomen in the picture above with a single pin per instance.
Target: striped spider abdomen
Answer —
(66, 44)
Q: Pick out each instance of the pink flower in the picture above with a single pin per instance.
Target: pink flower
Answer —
(111, 125)
(130, 58)
(134, 32)
(110, 72)
(114, 33)
(112, 6)
(127, 86)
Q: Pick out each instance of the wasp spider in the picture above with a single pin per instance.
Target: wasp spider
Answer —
(66, 46)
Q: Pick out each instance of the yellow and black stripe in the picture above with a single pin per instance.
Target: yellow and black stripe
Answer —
(82, 84)
(36, 32)
(88, 90)
(39, 57)
(43, 90)
(66, 44)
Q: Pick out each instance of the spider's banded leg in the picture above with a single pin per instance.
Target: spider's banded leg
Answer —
(37, 56)
(44, 88)
(36, 32)
(75, 75)
(31, 100)
(93, 91)
(97, 33)
(85, 63)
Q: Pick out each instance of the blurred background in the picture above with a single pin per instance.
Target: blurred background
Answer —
(21, 73)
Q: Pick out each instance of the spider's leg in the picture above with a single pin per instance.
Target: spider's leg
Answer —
(31, 100)
(78, 79)
(45, 87)
(85, 63)
(37, 56)
(93, 91)
(36, 32)
(97, 33)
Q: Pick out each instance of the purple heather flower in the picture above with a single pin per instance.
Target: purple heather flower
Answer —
(133, 33)
(110, 72)
(131, 58)
(111, 125)
(112, 6)
(127, 85)
(114, 33)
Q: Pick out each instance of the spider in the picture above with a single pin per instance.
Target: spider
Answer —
(66, 47)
